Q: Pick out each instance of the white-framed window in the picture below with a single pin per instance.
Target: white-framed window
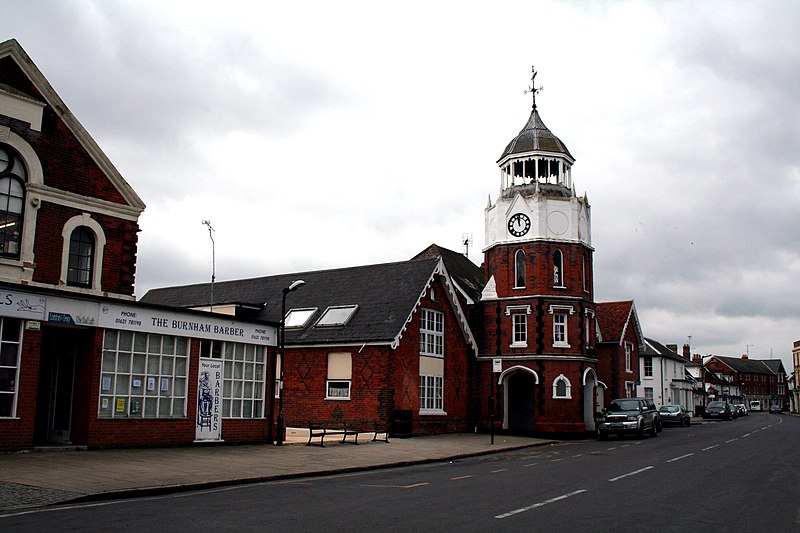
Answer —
(520, 324)
(562, 388)
(628, 350)
(519, 269)
(243, 377)
(340, 374)
(13, 178)
(298, 318)
(10, 342)
(143, 375)
(336, 315)
(560, 330)
(648, 367)
(431, 333)
(431, 393)
(558, 269)
(82, 253)
(648, 393)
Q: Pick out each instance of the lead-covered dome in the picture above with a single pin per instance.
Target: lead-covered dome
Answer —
(535, 137)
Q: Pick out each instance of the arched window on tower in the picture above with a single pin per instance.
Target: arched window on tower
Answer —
(519, 269)
(12, 199)
(558, 268)
(562, 388)
(81, 257)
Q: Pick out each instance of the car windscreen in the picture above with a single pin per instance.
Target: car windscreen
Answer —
(669, 409)
(624, 405)
(717, 404)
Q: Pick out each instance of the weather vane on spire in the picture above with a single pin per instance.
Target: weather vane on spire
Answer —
(533, 89)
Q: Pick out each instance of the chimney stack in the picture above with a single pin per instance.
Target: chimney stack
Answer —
(672, 347)
(686, 354)
(744, 356)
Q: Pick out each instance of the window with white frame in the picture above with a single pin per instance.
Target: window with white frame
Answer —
(431, 333)
(648, 393)
(560, 330)
(520, 323)
(81, 257)
(628, 350)
(336, 315)
(558, 268)
(648, 367)
(243, 377)
(143, 375)
(562, 388)
(340, 374)
(13, 177)
(519, 269)
(431, 393)
(10, 337)
(298, 318)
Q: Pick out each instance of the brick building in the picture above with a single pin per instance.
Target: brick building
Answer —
(764, 380)
(80, 361)
(438, 344)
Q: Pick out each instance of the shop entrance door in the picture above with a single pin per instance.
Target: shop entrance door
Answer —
(63, 379)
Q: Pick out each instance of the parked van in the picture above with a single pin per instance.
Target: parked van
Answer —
(755, 405)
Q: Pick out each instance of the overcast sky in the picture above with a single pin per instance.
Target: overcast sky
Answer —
(318, 135)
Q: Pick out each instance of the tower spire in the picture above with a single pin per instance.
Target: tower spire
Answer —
(533, 89)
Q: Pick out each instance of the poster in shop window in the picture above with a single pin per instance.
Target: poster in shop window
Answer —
(208, 425)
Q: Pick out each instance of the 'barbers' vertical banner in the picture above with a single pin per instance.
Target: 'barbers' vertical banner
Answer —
(209, 400)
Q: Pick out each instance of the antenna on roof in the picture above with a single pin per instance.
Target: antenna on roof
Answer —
(213, 262)
(533, 89)
(466, 240)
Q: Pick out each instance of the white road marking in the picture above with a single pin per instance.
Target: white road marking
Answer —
(460, 477)
(731, 440)
(679, 458)
(540, 504)
(499, 470)
(531, 464)
(631, 473)
(709, 447)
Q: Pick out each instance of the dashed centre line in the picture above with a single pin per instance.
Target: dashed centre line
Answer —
(460, 477)
(540, 504)
(679, 458)
(710, 447)
(631, 473)
(499, 470)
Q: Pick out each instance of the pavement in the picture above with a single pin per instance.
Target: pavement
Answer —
(58, 475)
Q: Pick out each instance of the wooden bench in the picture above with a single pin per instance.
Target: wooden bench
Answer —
(346, 428)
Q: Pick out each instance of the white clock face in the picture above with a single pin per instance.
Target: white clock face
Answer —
(519, 224)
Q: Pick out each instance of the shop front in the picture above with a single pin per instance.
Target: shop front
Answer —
(114, 373)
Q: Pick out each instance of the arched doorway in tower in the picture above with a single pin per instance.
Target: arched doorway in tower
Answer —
(590, 406)
(519, 393)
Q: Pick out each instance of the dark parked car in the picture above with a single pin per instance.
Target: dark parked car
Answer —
(775, 408)
(674, 414)
(741, 409)
(719, 409)
(629, 416)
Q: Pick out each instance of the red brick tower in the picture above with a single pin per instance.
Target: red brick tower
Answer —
(538, 258)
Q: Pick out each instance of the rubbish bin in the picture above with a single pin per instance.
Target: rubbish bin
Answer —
(401, 423)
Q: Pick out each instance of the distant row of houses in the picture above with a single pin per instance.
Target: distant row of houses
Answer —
(669, 377)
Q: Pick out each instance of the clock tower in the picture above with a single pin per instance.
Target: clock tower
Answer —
(538, 259)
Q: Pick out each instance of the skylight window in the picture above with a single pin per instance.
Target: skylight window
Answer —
(338, 315)
(298, 318)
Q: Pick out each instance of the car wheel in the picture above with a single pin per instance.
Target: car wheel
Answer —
(654, 430)
(640, 430)
(683, 422)
(688, 421)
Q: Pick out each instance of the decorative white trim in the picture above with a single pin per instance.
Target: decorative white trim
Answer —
(84, 219)
(516, 368)
(560, 307)
(568, 395)
(517, 308)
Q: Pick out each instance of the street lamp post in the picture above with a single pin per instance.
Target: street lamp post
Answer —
(281, 346)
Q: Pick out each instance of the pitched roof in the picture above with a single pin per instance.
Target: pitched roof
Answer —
(468, 276)
(750, 366)
(386, 295)
(12, 50)
(663, 351)
(613, 320)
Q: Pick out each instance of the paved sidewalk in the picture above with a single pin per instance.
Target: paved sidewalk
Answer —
(35, 479)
